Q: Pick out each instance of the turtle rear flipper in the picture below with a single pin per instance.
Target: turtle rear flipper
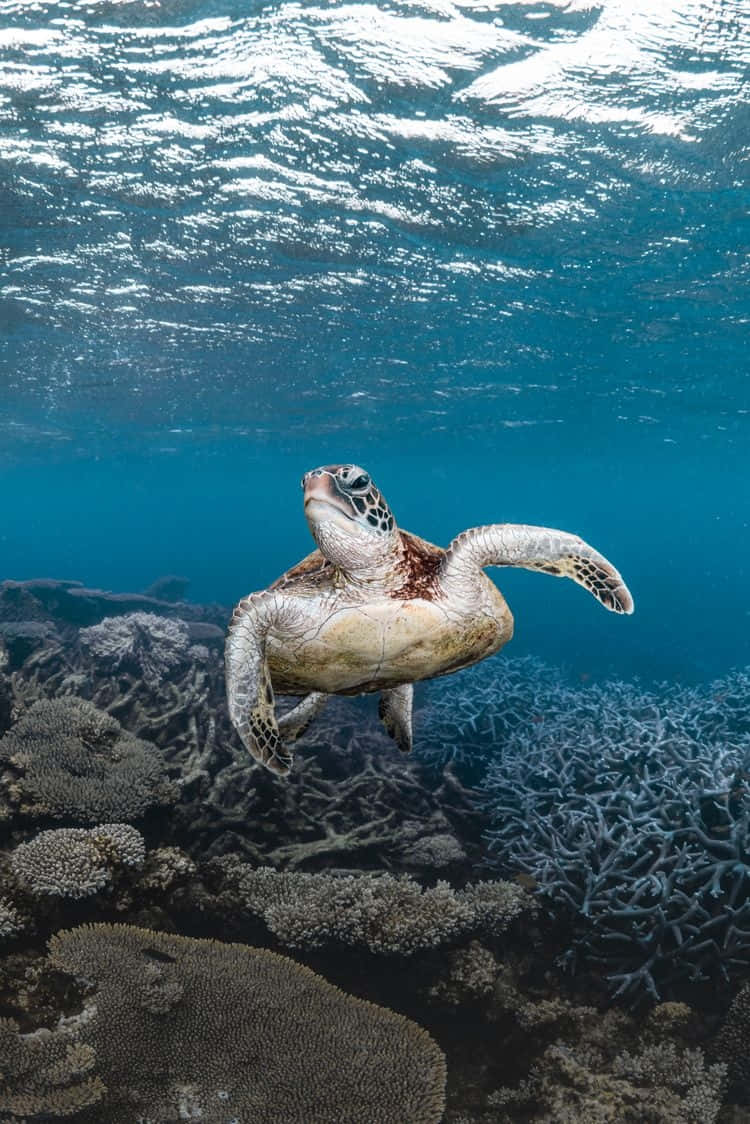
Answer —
(395, 709)
(294, 723)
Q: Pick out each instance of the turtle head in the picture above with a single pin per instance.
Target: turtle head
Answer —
(349, 518)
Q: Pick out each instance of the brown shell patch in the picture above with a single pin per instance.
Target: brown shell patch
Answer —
(310, 569)
(416, 574)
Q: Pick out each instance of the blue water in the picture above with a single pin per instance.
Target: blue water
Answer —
(498, 253)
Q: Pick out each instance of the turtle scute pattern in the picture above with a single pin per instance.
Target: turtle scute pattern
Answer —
(197, 1029)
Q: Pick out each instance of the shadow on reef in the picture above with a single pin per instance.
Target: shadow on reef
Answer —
(136, 839)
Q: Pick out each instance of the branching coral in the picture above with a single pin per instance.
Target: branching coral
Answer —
(661, 1084)
(46, 1074)
(11, 920)
(605, 1067)
(67, 760)
(187, 1029)
(71, 862)
(465, 719)
(470, 975)
(634, 825)
(732, 1041)
(382, 913)
(151, 646)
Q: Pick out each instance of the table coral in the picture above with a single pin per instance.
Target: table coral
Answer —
(187, 1029)
(46, 1074)
(382, 913)
(65, 759)
(72, 862)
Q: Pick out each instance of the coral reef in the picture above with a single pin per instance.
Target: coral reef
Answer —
(620, 813)
(733, 1042)
(378, 912)
(65, 759)
(185, 1028)
(45, 1074)
(71, 603)
(72, 862)
(470, 975)
(660, 1084)
(148, 645)
(464, 719)
(632, 817)
(170, 587)
(544, 1059)
(11, 920)
(21, 638)
(352, 799)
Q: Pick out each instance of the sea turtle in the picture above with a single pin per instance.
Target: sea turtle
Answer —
(375, 608)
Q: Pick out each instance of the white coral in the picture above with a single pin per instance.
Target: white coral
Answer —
(149, 645)
(71, 862)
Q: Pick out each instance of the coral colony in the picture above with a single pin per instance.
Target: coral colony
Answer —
(629, 811)
(422, 897)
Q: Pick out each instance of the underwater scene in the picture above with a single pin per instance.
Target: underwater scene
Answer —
(331, 332)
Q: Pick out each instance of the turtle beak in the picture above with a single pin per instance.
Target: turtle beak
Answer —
(321, 495)
(317, 486)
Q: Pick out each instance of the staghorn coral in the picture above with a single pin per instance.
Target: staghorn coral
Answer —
(46, 1074)
(187, 1029)
(381, 913)
(355, 801)
(151, 646)
(471, 717)
(464, 719)
(67, 760)
(633, 825)
(72, 862)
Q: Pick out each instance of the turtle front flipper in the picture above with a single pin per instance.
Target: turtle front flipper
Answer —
(249, 690)
(395, 713)
(536, 548)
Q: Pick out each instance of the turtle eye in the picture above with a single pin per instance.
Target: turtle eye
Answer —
(360, 482)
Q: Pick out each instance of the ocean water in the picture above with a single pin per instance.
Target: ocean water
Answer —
(498, 254)
(495, 252)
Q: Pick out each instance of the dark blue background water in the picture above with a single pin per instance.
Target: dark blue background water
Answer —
(497, 253)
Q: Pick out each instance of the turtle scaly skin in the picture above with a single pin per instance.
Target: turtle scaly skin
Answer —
(375, 608)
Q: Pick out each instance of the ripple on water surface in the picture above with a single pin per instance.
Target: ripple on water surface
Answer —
(443, 198)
